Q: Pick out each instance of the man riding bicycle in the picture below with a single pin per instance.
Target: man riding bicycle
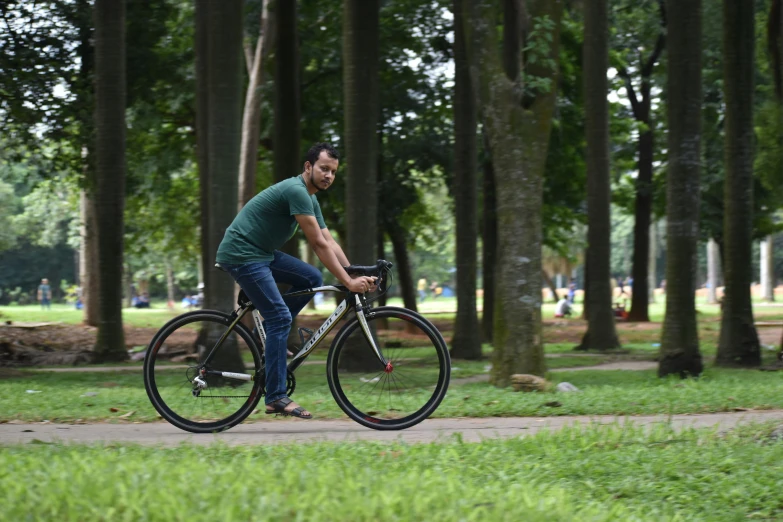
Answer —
(249, 253)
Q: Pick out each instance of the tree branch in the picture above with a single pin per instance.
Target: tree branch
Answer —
(631, 93)
(248, 56)
(322, 74)
(660, 44)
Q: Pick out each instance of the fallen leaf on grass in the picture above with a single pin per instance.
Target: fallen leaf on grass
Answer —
(113, 410)
(553, 404)
(126, 415)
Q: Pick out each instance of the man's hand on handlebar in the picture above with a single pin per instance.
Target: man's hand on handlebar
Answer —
(362, 284)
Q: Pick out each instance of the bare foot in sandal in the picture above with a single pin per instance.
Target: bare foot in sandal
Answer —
(286, 406)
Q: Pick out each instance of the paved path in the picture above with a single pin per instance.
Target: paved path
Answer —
(293, 430)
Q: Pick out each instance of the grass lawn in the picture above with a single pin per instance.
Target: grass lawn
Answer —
(75, 397)
(595, 474)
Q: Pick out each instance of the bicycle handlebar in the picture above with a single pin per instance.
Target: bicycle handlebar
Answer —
(370, 271)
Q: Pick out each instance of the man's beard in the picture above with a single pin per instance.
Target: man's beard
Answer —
(313, 183)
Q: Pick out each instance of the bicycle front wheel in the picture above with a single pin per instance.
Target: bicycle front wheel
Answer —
(392, 398)
(172, 363)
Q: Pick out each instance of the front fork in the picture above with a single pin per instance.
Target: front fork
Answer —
(360, 307)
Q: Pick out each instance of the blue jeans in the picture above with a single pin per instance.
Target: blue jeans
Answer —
(258, 280)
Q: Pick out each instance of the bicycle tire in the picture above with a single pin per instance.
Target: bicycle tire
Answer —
(371, 419)
(151, 382)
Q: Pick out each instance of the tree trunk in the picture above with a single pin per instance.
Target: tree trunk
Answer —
(287, 108)
(518, 132)
(640, 297)
(201, 45)
(490, 245)
(652, 268)
(601, 334)
(713, 265)
(224, 81)
(382, 323)
(680, 337)
(251, 118)
(407, 283)
(768, 269)
(110, 173)
(310, 258)
(169, 284)
(287, 113)
(551, 285)
(739, 342)
(127, 281)
(466, 343)
(361, 106)
(88, 261)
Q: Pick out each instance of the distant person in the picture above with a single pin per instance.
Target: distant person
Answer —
(571, 292)
(422, 288)
(563, 308)
(143, 301)
(434, 289)
(45, 294)
(621, 285)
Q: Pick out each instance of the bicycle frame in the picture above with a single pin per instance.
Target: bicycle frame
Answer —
(342, 309)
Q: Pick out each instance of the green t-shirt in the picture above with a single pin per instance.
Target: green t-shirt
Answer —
(267, 222)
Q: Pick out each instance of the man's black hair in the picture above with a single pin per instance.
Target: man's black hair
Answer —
(315, 152)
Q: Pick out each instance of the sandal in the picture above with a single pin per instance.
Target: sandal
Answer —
(279, 409)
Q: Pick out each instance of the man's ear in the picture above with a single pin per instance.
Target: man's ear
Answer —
(307, 165)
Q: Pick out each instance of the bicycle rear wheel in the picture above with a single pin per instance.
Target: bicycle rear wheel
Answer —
(416, 383)
(172, 363)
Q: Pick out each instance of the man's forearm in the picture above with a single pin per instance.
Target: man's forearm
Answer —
(332, 261)
(338, 251)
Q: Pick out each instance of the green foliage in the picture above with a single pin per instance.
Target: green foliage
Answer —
(25, 265)
(565, 172)
(537, 52)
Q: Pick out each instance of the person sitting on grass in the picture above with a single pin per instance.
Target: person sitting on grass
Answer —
(563, 308)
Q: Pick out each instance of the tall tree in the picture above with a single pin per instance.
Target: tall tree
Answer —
(680, 337)
(641, 106)
(361, 106)
(466, 343)
(201, 45)
(251, 118)
(489, 238)
(287, 112)
(110, 173)
(224, 114)
(517, 117)
(739, 342)
(601, 333)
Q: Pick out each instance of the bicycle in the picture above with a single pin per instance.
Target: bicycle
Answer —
(379, 356)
